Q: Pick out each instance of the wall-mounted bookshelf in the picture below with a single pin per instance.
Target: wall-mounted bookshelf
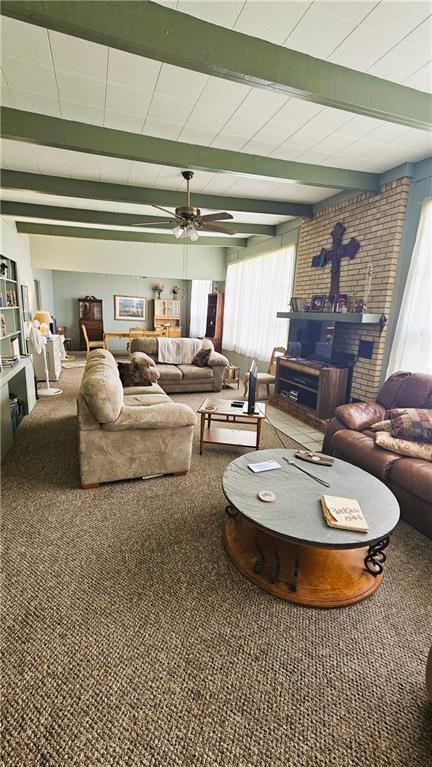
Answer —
(10, 309)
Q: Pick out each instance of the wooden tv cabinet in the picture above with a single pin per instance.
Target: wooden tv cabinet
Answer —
(307, 392)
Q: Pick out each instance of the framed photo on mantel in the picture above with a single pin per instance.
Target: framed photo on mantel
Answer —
(129, 308)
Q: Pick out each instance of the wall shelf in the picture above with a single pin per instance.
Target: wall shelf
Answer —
(349, 317)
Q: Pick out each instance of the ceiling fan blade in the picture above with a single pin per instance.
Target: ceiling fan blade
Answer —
(215, 228)
(215, 217)
(165, 221)
(166, 211)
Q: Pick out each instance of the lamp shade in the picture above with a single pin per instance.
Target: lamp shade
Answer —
(43, 317)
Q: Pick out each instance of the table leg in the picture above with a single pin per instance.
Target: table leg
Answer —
(202, 424)
(258, 436)
(375, 557)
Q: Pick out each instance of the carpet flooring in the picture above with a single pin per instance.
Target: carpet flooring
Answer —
(130, 640)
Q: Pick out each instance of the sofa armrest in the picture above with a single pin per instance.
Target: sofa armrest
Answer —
(217, 359)
(332, 427)
(169, 415)
(360, 415)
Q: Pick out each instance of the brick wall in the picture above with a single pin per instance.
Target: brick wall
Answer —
(377, 221)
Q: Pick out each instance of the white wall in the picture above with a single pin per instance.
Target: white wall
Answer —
(46, 289)
(134, 258)
(16, 247)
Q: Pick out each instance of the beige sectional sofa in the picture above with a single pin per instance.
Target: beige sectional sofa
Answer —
(127, 433)
(184, 378)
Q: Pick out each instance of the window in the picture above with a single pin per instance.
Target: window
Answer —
(256, 289)
(198, 309)
(412, 343)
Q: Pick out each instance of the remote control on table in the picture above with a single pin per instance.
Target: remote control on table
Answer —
(237, 403)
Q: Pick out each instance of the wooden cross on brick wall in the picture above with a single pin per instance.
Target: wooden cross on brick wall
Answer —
(335, 256)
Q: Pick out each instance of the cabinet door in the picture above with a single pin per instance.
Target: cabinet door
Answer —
(174, 309)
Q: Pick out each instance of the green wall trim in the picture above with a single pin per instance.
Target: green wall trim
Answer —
(160, 33)
(59, 213)
(99, 190)
(406, 170)
(44, 130)
(52, 230)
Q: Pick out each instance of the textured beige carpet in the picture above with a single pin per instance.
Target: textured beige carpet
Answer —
(130, 639)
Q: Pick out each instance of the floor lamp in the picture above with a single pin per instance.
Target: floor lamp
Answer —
(37, 345)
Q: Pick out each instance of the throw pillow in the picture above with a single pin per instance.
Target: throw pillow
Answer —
(404, 446)
(201, 358)
(382, 426)
(137, 373)
(411, 423)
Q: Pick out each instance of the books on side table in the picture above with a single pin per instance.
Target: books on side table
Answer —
(343, 513)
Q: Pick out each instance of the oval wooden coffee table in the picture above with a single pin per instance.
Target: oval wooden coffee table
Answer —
(287, 548)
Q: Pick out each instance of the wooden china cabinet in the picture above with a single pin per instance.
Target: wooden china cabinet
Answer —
(90, 314)
(214, 323)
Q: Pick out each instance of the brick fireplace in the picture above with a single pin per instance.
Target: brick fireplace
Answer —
(376, 221)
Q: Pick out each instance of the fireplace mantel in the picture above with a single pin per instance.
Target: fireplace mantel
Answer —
(350, 317)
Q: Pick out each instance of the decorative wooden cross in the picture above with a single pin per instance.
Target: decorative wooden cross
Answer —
(335, 256)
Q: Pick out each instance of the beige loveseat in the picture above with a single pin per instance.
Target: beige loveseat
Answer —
(184, 378)
(126, 433)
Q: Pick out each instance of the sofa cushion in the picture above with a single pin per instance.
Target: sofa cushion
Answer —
(148, 345)
(201, 358)
(133, 400)
(411, 423)
(404, 447)
(153, 389)
(102, 390)
(169, 372)
(359, 449)
(192, 372)
(414, 475)
(360, 415)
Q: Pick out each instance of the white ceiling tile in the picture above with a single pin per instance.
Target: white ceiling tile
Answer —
(330, 119)
(79, 56)
(223, 94)
(359, 126)
(351, 10)
(314, 156)
(361, 49)
(134, 71)
(306, 137)
(85, 113)
(25, 41)
(265, 102)
(421, 36)
(318, 33)
(288, 151)
(175, 81)
(53, 161)
(421, 80)
(224, 12)
(19, 155)
(220, 183)
(400, 62)
(36, 102)
(130, 100)
(397, 18)
(115, 169)
(29, 76)
(170, 109)
(82, 165)
(226, 141)
(196, 136)
(143, 173)
(208, 118)
(161, 128)
(84, 90)
(244, 125)
(272, 20)
(387, 132)
(123, 121)
(334, 143)
(263, 148)
(293, 116)
(6, 97)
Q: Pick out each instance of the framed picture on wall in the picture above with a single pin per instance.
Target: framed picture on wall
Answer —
(25, 303)
(129, 308)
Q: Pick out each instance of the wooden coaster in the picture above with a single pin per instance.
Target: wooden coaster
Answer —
(267, 496)
(322, 460)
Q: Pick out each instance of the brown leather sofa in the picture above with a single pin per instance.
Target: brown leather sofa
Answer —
(349, 437)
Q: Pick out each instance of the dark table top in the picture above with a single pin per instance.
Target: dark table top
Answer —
(296, 514)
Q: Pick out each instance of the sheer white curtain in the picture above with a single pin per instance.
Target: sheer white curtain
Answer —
(198, 308)
(257, 288)
(412, 344)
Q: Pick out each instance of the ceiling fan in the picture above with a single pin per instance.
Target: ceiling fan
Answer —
(187, 221)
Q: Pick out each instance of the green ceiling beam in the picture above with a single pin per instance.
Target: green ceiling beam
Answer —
(58, 213)
(160, 33)
(52, 230)
(45, 130)
(137, 195)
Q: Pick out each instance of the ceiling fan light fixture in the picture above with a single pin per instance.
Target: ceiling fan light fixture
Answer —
(193, 234)
(178, 231)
